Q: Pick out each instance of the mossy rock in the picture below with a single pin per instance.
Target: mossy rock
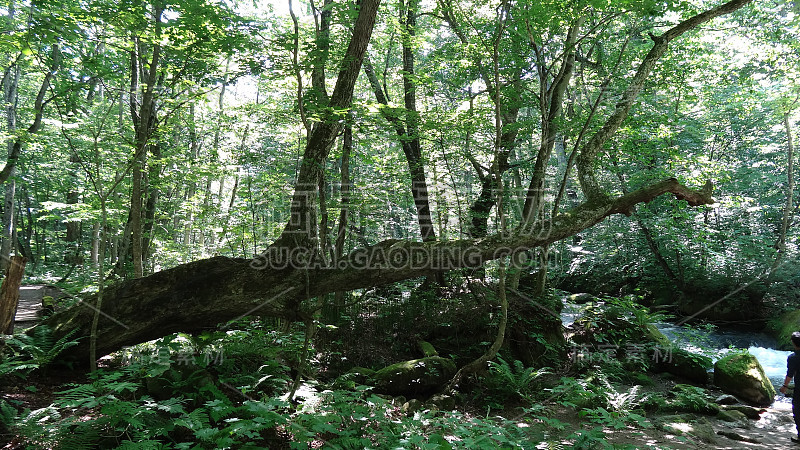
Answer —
(687, 365)
(783, 327)
(732, 416)
(427, 348)
(703, 430)
(415, 377)
(748, 411)
(741, 375)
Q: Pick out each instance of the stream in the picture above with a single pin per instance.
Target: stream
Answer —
(715, 344)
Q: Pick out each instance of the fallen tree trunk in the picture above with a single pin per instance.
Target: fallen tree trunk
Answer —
(206, 293)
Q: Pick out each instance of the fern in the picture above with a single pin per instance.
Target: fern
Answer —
(8, 416)
(512, 381)
(36, 351)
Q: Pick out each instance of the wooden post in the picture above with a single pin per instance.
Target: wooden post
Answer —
(9, 293)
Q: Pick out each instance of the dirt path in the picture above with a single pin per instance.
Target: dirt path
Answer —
(30, 303)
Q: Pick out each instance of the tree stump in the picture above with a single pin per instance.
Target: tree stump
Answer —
(9, 293)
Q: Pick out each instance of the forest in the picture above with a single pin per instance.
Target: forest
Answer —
(424, 224)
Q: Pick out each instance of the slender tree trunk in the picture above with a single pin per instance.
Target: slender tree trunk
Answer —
(143, 116)
(73, 254)
(412, 145)
(8, 224)
(344, 212)
(153, 195)
(788, 208)
(95, 245)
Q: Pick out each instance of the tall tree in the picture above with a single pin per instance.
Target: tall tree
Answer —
(291, 271)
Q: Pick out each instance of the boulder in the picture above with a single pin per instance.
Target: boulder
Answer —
(741, 375)
(677, 361)
(426, 348)
(415, 377)
(703, 430)
(685, 364)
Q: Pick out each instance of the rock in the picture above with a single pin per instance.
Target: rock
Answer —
(581, 298)
(411, 406)
(726, 399)
(748, 411)
(687, 365)
(737, 437)
(732, 416)
(443, 402)
(741, 375)
(415, 377)
(687, 424)
(703, 430)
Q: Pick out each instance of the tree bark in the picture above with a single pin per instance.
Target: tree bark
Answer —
(780, 244)
(9, 293)
(300, 231)
(143, 119)
(8, 224)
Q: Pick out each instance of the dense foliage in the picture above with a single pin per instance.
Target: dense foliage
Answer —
(143, 135)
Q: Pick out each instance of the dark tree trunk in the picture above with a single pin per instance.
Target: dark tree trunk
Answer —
(205, 293)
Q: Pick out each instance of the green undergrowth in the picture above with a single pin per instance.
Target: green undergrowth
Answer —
(229, 389)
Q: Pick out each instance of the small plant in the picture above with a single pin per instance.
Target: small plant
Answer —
(512, 381)
(692, 399)
(34, 352)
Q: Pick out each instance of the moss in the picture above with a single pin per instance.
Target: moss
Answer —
(416, 376)
(427, 349)
(741, 374)
(783, 327)
(654, 335)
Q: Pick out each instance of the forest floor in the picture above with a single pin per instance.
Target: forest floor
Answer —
(772, 431)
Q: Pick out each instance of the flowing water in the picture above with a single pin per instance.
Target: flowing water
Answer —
(716, 344)
(775, 424)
